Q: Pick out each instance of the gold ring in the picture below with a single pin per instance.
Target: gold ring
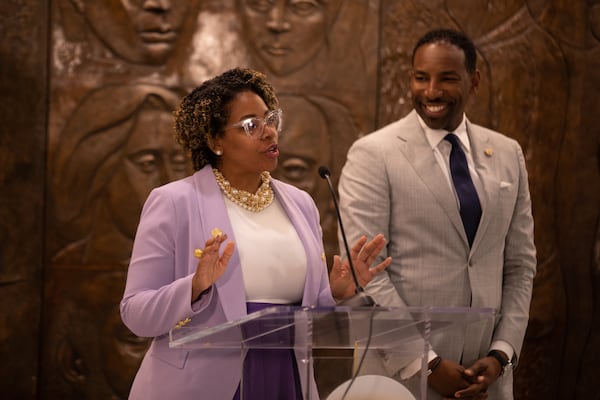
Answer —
(198, 253)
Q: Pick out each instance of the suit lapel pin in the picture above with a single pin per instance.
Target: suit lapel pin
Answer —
(488, 152)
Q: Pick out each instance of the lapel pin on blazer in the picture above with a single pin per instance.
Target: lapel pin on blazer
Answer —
(488, 152)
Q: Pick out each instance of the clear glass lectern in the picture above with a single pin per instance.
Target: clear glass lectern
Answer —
(342, 352)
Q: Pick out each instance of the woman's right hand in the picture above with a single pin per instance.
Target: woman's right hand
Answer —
(211, 265)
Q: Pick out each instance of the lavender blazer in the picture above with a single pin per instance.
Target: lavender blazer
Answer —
(176, 219)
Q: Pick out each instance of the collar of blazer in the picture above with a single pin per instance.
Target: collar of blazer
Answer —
(417, 151)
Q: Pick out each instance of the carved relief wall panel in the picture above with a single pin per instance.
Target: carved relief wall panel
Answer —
(115, 80)
(116, 70)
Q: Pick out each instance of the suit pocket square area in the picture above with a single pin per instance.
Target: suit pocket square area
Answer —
(504, 184)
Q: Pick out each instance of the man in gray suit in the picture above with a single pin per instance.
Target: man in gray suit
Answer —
(455, 240)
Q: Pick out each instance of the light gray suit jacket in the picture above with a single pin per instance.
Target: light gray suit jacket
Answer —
(392, 183)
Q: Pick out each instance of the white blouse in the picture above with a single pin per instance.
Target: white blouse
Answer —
(272, 256)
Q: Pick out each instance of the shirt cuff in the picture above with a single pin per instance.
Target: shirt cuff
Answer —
(415, 366)
(504, 347)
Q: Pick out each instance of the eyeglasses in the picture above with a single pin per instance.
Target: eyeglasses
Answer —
(255, 126)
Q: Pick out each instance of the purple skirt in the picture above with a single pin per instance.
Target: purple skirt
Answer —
(269, 374)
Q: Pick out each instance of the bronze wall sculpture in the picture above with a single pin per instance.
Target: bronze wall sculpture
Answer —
(88, 86)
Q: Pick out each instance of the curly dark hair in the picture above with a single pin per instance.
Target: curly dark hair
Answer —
(203, 113)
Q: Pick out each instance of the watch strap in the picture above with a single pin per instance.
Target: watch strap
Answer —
(504, 362)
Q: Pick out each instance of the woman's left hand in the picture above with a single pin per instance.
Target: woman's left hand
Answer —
(363, 254)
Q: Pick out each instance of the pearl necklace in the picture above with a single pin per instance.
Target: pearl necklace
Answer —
(251, 202)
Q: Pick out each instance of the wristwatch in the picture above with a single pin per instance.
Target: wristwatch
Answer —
(505, 363)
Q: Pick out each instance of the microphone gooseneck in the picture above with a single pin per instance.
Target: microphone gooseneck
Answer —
(360, 299)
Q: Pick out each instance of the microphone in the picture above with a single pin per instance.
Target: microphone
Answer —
(360, 298)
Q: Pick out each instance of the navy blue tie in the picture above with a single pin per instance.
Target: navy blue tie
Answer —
(470, 208)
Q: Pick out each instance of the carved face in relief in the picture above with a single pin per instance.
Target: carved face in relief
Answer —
(307, 142)
(116, 147)
(139, 31)
(151, 158)
(284, 34)
(304, 144)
